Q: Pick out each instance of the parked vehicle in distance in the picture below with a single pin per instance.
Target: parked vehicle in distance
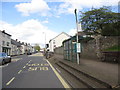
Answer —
(4, 58)
(29, 53)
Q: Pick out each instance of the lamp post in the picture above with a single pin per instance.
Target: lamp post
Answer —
(45, 40)
(78, 59)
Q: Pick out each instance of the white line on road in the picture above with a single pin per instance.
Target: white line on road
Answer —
(4, 66)
(10, 81)
(19, 71)
(29, 61)
(24, 67)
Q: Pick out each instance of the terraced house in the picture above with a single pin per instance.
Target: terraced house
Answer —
(16, 47)
(5, 42)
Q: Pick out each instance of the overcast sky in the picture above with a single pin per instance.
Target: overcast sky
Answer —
(31, 20)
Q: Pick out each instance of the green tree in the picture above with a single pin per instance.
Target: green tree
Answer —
(37, 47)
(100, 21)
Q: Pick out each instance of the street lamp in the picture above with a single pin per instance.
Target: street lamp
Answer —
(78, 59)
(45, 38)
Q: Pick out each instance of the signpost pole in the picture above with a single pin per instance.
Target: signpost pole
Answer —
(78, 60)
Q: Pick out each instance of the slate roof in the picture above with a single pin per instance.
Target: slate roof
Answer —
(15, 43)
(6, 33)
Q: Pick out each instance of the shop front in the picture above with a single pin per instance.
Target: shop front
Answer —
(6, 50)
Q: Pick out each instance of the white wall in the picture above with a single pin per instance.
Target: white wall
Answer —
(6, 38)
(51, 46)
(57, 41)
(60, 39)
(13, 49)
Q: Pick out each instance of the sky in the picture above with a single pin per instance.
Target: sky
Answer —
(31, 21)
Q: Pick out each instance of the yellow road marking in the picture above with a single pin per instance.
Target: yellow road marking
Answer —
(19, 71)
(46, 64)
(59, 77)
(38, 68)
(37, 64)
(10, 81)
(24, 67)
(32, 69)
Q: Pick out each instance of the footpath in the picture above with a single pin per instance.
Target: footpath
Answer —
(104, 71)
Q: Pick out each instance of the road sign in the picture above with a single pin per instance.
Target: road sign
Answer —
(78, 47)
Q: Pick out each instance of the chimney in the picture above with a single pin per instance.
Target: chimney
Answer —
(16, 39)
(22, 42)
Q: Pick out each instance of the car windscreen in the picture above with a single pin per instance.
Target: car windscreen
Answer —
(0, 54)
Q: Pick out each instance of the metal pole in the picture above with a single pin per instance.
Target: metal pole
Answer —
(77, 35)
(45, 40)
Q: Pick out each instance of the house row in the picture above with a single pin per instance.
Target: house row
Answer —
(13, 47)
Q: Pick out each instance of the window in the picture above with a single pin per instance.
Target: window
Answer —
(8, 43)
(3, 43)
(54, 42)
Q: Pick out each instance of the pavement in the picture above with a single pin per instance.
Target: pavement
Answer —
(104, 71)
(31, 71)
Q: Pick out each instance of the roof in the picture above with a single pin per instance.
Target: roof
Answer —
(15, 43)
(74, 38)
(6, 33)
(59, 35)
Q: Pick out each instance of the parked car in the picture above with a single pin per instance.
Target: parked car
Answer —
(4, 58)
(29, 53)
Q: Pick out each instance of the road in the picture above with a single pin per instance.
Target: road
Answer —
(31, 72)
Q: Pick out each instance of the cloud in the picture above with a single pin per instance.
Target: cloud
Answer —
(41, 7)
(35, 6)
(72, 32)
(30, 31)
(46, 21)
(69, 6)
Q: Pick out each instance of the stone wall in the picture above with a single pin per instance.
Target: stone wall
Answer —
(89, 50)
(93, 48)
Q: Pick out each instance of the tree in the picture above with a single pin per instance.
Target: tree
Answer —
(37, 47)
(100, 21)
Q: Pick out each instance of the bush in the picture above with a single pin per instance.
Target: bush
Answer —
(113, 48)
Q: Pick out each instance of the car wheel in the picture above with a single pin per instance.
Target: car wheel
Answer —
(3, 62)
(10, 61)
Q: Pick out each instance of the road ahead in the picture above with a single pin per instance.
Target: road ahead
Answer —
(31, 72)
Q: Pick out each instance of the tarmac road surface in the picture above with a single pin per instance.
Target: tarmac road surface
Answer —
(31, 72)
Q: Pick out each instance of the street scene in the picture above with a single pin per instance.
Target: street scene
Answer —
(63, 44)
(31, 72)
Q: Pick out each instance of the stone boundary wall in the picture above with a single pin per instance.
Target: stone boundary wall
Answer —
(93, 48)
